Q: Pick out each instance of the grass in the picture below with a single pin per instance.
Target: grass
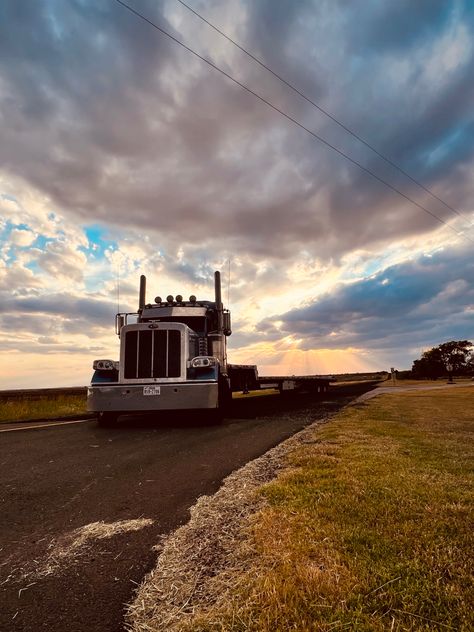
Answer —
(47, 408)
(439, 382)
(72, 545)
(370, 529)
(260, 393)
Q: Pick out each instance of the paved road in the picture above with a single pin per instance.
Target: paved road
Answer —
(60, 478)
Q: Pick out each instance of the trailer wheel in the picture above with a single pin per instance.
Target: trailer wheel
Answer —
(106, 419)
(215, 415)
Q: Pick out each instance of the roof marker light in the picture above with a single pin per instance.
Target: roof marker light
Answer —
(157, 299)
(169, 298)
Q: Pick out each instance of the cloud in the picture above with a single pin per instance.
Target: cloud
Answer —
(56, 322)
(22, 237)
(140, 134)
(418, 303)
(60, 260)
(15, 278)
(66, 305)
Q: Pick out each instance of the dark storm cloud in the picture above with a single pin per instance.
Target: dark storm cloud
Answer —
(425, 301)
(85, 311)
(401, 24)
(52, 347)
(119, 125)
(52, 320)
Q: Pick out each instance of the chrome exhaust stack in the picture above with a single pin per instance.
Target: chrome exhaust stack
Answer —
(217, 339)
(219, 306)
(142, 295)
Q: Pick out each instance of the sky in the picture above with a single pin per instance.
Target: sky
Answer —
(121, 153)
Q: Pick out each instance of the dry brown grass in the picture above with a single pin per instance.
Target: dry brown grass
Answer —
(261, 393)
(47, 408)
(69, 548)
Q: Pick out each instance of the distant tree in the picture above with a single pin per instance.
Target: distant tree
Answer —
(434, 362)
(470, 366)
(457, 353)
(429, 366)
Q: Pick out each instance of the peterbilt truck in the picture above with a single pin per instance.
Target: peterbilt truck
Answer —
(172, 357)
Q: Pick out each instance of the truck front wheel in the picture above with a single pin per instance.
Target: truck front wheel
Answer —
(225, 394)
(106, 419)
(224, 402)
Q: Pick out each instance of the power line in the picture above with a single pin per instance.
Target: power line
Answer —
(323, 111)
(290, 118)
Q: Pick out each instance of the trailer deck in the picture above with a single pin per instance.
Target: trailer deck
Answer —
(288, 383)
(245, 378)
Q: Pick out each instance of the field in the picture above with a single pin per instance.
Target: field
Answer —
(45, 408)
(368, 529)
(362, 377)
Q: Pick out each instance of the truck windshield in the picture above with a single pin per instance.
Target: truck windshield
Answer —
(196, 323)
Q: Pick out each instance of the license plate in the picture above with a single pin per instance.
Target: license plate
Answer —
(151, 390)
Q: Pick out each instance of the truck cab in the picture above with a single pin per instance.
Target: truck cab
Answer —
(173, 356)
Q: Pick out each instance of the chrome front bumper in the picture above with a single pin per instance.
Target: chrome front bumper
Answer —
(169, 396)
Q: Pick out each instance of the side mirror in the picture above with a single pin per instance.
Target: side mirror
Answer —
(120, 321)
(226, 323)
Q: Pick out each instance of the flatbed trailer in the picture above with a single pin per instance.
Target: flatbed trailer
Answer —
(295, 383)
(173, 356)
(245, 378)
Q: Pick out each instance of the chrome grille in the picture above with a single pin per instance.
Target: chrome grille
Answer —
(152, 353)
(202, 349)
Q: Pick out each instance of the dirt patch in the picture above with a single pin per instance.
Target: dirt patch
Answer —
(64, 551)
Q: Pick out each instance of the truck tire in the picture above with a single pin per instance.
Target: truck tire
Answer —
(225, 396)
(106, 419)
(224, 400)
(215, 415)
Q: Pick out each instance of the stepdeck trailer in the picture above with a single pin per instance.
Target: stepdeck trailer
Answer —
(173, 356)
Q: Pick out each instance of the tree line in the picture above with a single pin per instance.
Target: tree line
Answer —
(455, 357)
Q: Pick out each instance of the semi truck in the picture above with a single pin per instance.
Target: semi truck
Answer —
(173, 356)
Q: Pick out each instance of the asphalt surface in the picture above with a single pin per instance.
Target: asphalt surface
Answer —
(59, 478)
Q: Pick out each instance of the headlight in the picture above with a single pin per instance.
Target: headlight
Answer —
(105, 365)
(201, 362)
